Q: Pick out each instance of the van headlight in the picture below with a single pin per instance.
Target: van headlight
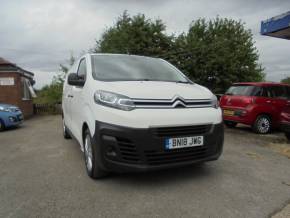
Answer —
(113, 100)
(215, 102)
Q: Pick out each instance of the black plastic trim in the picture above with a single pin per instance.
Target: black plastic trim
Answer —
(137, 142)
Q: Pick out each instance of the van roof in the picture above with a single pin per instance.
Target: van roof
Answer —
(117, 54)
(262, 84)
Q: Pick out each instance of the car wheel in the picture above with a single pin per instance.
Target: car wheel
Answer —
(66, 135)
(91, 158)
(287, 134)
(262, 124)
(230, 124)
(2, 126)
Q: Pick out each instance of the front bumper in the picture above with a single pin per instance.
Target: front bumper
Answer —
(123, 149)
(13, 119)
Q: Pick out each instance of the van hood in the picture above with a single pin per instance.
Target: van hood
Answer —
(157, 89)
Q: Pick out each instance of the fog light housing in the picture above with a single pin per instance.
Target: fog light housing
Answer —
(244, 113)
(12, 119)
(111, 151)
(110, 146)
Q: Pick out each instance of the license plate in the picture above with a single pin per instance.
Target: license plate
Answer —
(184, 142)
(229, 112)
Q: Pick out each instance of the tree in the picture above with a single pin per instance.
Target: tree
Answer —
(217, 53)
(52, 93)
(135, 35)
(213, 53)
(286, 80)
(64, 69)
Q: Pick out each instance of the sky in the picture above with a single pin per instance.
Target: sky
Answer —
(40, 35)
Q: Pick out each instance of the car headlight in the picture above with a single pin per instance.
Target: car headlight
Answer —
(5, 109)
(215, 102)
(113, 100)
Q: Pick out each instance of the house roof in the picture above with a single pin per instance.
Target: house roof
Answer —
(7, 66)
(5, 62)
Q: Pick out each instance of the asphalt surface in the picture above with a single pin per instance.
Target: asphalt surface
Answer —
(43, 175)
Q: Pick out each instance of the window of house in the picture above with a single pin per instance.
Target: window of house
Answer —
(27, 89)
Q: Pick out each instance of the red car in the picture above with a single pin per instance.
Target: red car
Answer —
(285, 121)
(256, 104)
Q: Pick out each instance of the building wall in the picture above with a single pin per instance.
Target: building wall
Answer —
(27, 108)
(13, 94)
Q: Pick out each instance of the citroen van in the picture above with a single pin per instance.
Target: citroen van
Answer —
(136, 113)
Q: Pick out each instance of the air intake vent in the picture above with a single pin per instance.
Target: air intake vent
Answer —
(181, 131)
(174, 156)
(128, 150)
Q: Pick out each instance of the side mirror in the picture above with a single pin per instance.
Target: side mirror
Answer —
(75, 80)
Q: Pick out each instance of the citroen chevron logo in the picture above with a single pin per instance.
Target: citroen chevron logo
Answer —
(178, 101)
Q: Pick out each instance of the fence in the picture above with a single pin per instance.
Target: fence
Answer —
(47, 109)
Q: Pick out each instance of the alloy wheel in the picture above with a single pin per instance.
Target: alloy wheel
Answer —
(63, 126)
(88, 153)
(263, 125)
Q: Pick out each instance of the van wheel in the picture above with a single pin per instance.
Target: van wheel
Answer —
(287, 134)
(2, 126)
(66, 135)
(262, 124)
(93, 169)
(230, 124)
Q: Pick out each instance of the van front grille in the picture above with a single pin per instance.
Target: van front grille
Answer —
(181, 131)
(175, 102)
(174, 156)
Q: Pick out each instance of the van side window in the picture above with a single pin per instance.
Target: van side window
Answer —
(82, 70)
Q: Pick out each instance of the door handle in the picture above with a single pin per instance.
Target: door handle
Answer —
(70, 96)
(268, 101)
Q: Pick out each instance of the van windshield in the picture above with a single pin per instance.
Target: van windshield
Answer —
(245, 90)
(134, 68)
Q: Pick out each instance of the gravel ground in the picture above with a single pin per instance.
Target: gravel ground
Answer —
(43, 175)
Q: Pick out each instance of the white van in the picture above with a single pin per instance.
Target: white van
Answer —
(136, 113)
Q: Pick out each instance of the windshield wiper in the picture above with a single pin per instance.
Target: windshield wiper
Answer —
(145, 80)
(186, 82)
(179, 81)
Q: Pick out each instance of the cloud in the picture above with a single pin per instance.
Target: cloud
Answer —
(39, 35)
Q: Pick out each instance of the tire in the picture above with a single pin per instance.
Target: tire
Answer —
(2, 126)
(287, 134)
(66, 134)
(91, 158)
(230, 124)
(262, 125)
